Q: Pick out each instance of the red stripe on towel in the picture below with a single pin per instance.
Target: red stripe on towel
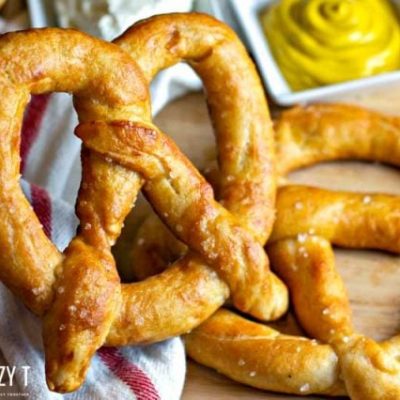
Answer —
(33, 117)
(41, 203)
(133, 376)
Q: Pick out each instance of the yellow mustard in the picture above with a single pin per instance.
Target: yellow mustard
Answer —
(320, 42)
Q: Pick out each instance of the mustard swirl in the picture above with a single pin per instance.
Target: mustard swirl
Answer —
(320, 42)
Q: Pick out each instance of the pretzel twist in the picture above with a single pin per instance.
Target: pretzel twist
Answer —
(79, 293)
(304, 136)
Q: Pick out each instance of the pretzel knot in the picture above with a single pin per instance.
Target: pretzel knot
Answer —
(308, 221)
(79, 293)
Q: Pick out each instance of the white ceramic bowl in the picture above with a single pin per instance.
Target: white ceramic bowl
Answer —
(248, 15)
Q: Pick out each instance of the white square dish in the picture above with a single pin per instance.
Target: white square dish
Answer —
(248, 16)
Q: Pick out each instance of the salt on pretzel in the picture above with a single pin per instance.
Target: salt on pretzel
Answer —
(355, 220)
(83, 302)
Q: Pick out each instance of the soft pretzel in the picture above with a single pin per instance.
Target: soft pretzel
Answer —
(79, 314)
(83, 302)
(303, 257)
(243, 132)
(307, 220)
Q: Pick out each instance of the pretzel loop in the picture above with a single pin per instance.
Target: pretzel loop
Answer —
(245, 147)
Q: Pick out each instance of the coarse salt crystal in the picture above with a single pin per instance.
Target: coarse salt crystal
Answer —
(367, 199)
(179, 228)
(298, 205)
(302, 237)
(38, 290)
(305, 388)
(60, 289)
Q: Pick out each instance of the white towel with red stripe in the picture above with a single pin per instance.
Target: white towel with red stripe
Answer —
(51, 171)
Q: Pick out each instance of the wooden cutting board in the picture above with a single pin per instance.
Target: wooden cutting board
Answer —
(372, 278)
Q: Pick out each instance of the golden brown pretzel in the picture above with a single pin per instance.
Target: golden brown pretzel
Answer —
(331, 132)
(80, 295)
(245, 142)
(303, 257)
(309, 217)
(47, 60)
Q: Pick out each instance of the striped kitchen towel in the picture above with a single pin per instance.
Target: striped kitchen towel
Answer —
(51, 169)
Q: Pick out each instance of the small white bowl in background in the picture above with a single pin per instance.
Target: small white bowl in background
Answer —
(248, 16)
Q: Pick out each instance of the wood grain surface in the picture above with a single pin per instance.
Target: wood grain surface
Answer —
(372, 278)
